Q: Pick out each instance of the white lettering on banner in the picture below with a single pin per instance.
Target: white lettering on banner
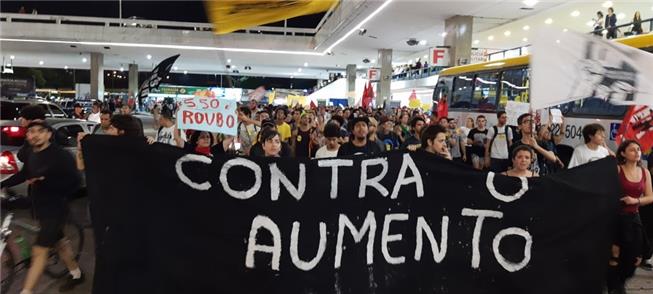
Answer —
(481, 214)
(277, 177)
(180, 173)
(373, 182)
(489, 183)
(438, 252)
(387, 238)
(258, 178)
(264, 222)
(506, 264)
(334, 164)
(369, 226)
(403, 180)
(294, 248)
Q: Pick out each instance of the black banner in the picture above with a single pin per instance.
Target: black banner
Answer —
(173, 222)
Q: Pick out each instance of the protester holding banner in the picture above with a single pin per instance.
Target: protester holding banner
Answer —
(627, 251)
(330, 149)
(257, 149)
(522, 158)
(434, 141)
(525, 122)
(594, 147)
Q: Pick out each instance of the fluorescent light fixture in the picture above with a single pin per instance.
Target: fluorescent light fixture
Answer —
(548, 21)
(422, 42)
(476, 42)
(507, 33)
(575, 13)
(12, 57)
(490, 38)
(607, 4)
(84, 60)
(495, 64)
(360, 25)
(148, 56)
(305, 64)
(525, 39)
(526, 27)
(185, 72)
(530, 3)
(41, 62)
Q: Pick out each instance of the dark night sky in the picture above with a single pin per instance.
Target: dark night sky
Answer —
(190, 11)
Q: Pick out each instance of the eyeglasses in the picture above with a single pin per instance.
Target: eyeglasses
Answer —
(527, 121)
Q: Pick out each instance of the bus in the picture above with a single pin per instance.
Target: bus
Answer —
(485, 88)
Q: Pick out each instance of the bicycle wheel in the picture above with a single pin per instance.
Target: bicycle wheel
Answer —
(7, 268)
(74, 234)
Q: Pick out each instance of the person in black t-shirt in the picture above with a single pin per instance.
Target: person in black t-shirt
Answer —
(477, 138)
(359, 143)
(257, 149)
(413, 142)
(52, 174)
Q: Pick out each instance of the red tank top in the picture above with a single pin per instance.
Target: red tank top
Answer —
(632, 189)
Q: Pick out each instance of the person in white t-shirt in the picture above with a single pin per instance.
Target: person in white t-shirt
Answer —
(94, 116)
(594, 147)
(168, 133)
(332, 134)
(499, 139)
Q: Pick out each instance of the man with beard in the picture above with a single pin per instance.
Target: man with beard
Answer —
(359, 143)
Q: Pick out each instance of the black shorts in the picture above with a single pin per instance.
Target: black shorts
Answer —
(51, 231)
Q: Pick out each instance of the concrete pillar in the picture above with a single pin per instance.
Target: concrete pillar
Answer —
(383, 92)
(97, 76)
(459, 30)
(133, 80)
(351, 83)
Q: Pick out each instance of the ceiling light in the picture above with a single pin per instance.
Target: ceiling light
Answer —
(425, 56)
(122, 68)
(149, 56)
(507, 33)
(175, 68)
(108, 75)
(233, 66)
(621, 15)
(299, 69)
(360, 25)
(84, 60)
(305, 64)
(590, 23)
(12, 57)
(114, 72)
(565, 30)
(607, 4)
(490, 38)
(575, 13)
(185, 72)
(525, 39)
(530, 3)
(526, 28)
(476, 42)
(228, 60)
(41, 62)
(65, 67)
(558, 41)
(548, 21)
(422, 42)
(292, 77)
(444, 34)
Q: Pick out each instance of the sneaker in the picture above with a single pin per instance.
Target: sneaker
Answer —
(646, 265)
(71, 283)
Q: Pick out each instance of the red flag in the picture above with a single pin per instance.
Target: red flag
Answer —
(368, 94)
(637, 125)
(313, 106)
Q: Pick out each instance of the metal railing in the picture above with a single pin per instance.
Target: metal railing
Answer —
(147, 24)
(418, 73)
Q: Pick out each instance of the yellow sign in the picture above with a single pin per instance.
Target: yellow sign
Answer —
(231, 15)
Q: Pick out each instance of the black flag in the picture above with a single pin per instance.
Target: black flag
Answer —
(155, 77)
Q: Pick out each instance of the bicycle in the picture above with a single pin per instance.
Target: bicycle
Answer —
(10, 249)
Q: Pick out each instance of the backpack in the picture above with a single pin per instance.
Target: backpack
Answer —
(496, 132)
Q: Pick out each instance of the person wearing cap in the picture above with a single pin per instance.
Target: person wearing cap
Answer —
(51, 172)
(387, 134)
(330, 149)
(359, 143)
(78, 112)
(94, 116)
(27, 115)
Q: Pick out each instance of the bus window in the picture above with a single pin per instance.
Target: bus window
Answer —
(442, 88)
(485, 91)
(514, 86)
(462, 92)
(595, 107)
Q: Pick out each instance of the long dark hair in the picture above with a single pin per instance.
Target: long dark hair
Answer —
(622, 148)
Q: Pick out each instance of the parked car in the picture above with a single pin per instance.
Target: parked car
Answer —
(10, 108)
(13, 138)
